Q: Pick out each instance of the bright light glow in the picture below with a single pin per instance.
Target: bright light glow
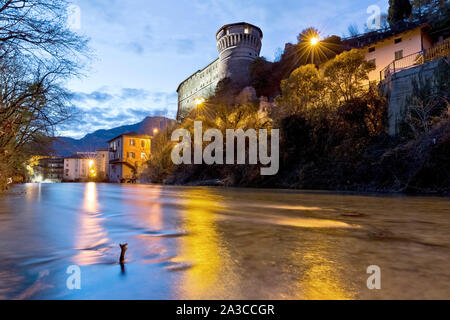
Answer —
(314, 41)
(199, 101)
(155, 131)
(91, 163)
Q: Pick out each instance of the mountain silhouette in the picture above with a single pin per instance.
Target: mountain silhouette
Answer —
(64, 146)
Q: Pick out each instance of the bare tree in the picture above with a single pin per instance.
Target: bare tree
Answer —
(421, 114)
(38, 53)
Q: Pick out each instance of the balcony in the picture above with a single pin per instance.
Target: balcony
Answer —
(416, 59)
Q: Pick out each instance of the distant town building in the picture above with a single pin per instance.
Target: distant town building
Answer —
(238, 44)
(89, 154)
(49, 170)
(78, 167)
(102, 164)
(128, 156)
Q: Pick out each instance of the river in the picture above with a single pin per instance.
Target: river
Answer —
(215, 243)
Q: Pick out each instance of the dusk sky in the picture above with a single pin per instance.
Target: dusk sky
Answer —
(144, 48)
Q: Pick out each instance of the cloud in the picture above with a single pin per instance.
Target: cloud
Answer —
(131, 93)
(106, 108)
(136, 47)
(95, 95)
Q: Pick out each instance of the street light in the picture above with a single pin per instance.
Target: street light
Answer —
(199, 101)
(155, 131)
(314, 41)
(92, 171)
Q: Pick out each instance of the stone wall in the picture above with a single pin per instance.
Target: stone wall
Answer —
(398, 89)
(201, 84)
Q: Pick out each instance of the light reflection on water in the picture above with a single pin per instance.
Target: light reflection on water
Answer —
(212, 243)
(92, 239)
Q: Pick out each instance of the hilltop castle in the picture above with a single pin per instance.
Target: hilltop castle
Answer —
(238, 45)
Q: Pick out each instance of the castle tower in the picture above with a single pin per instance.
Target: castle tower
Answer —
(239, 44)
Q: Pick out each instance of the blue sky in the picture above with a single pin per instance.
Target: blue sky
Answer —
(144, 48)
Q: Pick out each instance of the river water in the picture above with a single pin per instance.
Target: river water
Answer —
(214, 243)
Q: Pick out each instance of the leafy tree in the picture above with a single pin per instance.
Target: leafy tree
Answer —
(399, 11)
(303, 90)
(347, 75)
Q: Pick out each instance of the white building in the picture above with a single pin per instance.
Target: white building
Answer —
(78, 167)
(393, 50)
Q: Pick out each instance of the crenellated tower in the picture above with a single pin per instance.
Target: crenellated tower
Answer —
(238, 45)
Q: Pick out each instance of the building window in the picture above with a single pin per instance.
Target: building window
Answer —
(131, 155)
(247, 30)
(398, 40)
(372, 49)
(398, 55)
(132, 143)
(143, 143)
(143, 156)
(373, 62)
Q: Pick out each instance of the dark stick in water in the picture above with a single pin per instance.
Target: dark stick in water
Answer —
(124, 249)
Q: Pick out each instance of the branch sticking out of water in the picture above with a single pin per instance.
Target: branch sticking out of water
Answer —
(123, 248)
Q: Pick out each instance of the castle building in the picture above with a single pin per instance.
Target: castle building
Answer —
(238, 44)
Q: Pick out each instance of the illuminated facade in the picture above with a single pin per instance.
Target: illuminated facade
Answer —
(128, 156)
(78, 166)
(402, 49)
(102, 163)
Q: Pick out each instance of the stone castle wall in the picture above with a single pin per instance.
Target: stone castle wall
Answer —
(238, 45)
(201, 84)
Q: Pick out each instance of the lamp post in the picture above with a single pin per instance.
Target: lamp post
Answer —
(314, 41)
(199, 102)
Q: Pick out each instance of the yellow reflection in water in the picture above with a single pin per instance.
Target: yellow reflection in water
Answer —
(91, 237)
(90, 197)
(322, 278)
(202, 248)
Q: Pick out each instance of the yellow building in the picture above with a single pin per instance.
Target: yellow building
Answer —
(128, 156)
